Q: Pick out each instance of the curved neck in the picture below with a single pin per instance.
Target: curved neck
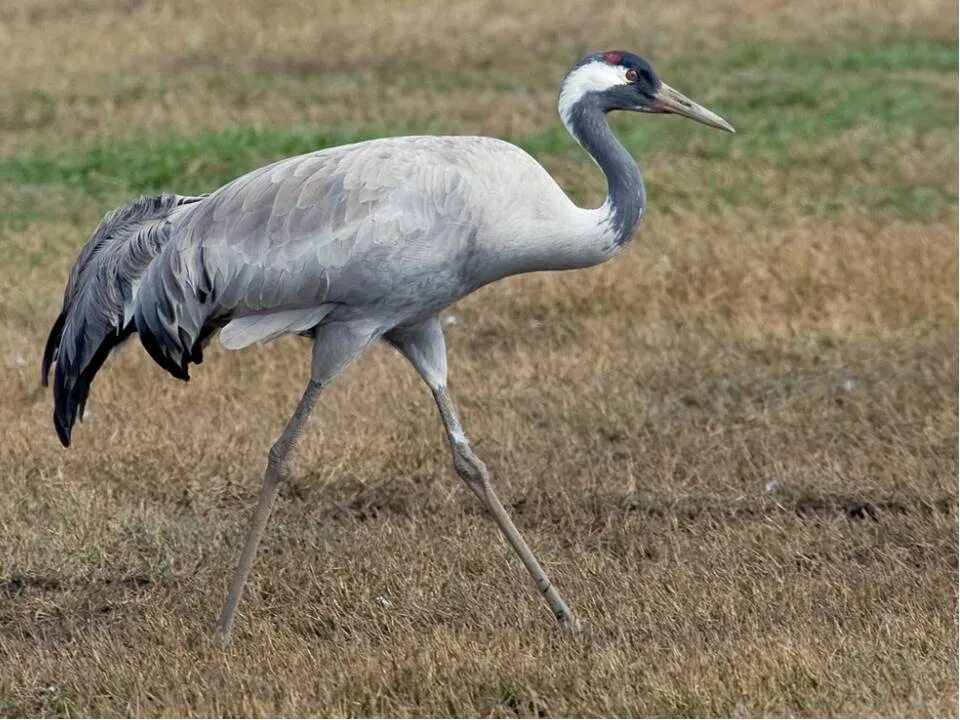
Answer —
(626, 197)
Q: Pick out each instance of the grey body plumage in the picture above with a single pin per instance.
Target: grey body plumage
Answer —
(349, 245)
(383, 233)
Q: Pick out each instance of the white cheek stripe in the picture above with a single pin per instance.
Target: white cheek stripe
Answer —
(593, 77)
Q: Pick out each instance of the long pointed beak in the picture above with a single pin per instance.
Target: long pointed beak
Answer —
(668, 100)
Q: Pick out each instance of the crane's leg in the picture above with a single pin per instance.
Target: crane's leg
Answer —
(335, 347)
(424, 346)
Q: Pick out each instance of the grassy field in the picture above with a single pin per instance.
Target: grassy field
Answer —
(734, 447)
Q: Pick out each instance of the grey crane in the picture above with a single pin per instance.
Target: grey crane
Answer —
(347, 246)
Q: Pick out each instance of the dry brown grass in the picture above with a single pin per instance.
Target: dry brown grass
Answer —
(185, 66)
(735, 447)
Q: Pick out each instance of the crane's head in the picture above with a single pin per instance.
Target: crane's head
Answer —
(618, 80)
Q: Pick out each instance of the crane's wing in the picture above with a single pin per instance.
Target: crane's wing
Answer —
(279, 236)
(316, 229)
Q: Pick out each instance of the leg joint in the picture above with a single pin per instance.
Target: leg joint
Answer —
(276, 451)
(467, 463)
(277, 457)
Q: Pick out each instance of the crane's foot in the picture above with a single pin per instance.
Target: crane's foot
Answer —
(569, 625)
(222, 635)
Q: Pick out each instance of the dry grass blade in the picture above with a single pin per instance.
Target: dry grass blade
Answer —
(735, 447)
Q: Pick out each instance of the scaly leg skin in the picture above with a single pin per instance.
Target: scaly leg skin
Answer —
(424, 346)
(335, 347)
(474, 473)
(278, 469)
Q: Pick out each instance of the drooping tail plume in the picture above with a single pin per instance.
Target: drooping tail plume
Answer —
(98, 303)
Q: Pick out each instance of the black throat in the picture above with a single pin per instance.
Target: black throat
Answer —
(626, 195)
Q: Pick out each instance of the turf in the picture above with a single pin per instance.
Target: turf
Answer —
(734, 447)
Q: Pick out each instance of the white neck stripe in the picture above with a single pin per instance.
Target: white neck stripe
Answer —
(595, 76)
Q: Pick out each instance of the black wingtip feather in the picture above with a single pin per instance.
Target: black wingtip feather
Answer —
(50, 350)
(70, 394)
(63, 431)
(156, 351)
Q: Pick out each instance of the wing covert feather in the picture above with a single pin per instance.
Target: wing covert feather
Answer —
(281, 236)
(345, 224)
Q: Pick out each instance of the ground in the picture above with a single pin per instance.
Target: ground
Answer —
(734, 447)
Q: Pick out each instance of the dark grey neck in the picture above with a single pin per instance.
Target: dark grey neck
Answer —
(626, 196)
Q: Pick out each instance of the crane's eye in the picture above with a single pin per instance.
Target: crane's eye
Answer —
(632, 75)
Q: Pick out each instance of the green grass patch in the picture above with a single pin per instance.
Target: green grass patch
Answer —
(788, 103)
(190, 164)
